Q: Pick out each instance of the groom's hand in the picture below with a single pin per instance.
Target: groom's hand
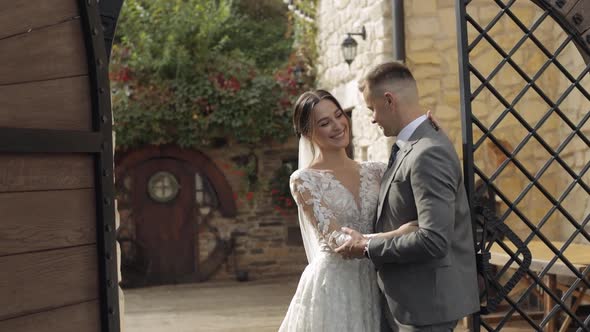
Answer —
(432, 120)
(353, 248)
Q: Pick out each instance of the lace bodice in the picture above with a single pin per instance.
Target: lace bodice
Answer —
(326, 205)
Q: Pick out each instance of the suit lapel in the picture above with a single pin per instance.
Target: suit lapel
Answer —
(382, 194)
(403, 152)
(420, 132)
(390, 174)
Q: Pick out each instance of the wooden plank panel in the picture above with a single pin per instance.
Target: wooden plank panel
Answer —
(24, 140)
(63, 104)
(17, 16)
(31, 172)
(49, 53)
(36, 221)
(75, 318)
(32, 283)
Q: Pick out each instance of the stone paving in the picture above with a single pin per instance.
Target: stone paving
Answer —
(226, 306)
(216, 306)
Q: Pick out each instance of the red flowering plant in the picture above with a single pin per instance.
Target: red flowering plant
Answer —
(279, 188)
(231, 101)
(181, 73)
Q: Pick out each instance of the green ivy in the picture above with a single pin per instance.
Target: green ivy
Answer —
(279, 186)
(305, 36)
(307, 6)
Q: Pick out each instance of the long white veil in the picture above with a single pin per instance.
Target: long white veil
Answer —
(306, 152)
(308, 232)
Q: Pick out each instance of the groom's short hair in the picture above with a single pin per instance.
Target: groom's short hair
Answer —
(390, 74)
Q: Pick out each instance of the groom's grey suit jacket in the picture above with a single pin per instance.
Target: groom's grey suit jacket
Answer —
(428, 276)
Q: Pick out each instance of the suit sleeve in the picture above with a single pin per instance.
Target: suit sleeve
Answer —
(435, 178)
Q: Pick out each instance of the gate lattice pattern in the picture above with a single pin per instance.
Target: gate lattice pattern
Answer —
(525, 97)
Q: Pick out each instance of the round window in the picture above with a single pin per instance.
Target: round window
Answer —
(163, 187)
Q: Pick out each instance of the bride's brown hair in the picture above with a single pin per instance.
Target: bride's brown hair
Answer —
(303, 112)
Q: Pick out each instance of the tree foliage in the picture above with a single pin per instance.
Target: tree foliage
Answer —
(196, 72)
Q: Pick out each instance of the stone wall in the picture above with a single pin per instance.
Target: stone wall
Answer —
(268, 242)
(534, 205)
(575, 153)
(335, 19)
(431, 49)
(488, 108)
(267, 237)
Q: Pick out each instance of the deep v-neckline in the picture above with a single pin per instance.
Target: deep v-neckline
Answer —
(357, 200)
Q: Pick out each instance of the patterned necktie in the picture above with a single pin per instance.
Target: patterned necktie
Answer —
(394, 150)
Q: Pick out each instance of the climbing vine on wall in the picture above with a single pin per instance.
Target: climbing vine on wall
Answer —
(302, 17)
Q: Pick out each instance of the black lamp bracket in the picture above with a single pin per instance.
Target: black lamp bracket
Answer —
(363, 33)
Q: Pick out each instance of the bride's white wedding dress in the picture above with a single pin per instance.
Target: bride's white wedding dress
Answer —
(334, 294)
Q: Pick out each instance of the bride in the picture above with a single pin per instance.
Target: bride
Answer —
(333, 191)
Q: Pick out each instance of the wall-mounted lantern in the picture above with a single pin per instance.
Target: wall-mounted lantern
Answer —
(349, 45)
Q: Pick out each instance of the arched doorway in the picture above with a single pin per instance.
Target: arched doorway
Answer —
(170, 192)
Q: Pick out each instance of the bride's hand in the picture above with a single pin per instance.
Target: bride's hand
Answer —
(353, 248)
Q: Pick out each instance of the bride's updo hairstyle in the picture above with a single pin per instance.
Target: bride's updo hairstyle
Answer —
(303, 114)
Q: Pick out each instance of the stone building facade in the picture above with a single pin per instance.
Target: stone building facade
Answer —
(334, 19)
(268, 241)
(432, 55)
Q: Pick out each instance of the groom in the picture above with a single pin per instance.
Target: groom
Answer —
(428, 277)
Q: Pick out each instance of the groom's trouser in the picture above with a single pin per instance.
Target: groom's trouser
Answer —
(443, 327)
(387, 321)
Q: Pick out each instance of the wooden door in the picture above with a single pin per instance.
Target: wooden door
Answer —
(58, 268)
(163, 200)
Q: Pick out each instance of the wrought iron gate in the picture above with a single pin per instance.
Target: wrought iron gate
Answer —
(505, 226)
